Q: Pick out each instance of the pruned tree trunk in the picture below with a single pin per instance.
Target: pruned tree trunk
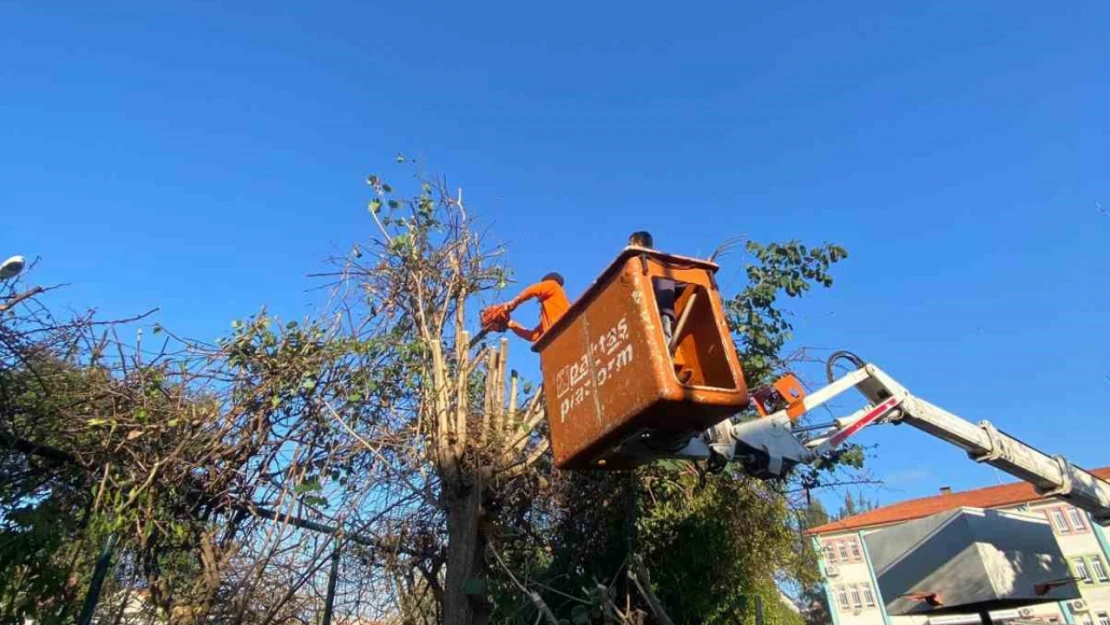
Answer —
(477, 441)
(465, 600)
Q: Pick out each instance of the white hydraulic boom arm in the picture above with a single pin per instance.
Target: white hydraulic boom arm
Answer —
(769, 447)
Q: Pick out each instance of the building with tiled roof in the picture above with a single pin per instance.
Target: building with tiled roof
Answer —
(852, 590)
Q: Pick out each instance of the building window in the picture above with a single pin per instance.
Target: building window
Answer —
(856, 555)
(842, 597)
(868, 596)
(1103, 619)
(830, 551)
(1087, 620)
(1058, 521)
(1066, 519)
(1076, 518)
(1098, 569)
(840, 544)
(856, 600)
(1081, 572)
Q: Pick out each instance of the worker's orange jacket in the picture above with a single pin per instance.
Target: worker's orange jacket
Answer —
(553, 305)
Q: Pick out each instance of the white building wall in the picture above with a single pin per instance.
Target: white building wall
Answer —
(1079, 542)
(852, 593)
(851, 577)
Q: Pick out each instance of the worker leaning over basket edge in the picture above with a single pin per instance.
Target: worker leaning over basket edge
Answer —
(553, 305)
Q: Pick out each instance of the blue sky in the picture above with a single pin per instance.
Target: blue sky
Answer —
(203, 157)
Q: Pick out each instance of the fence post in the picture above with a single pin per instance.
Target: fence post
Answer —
(332, 578)
(93, 596)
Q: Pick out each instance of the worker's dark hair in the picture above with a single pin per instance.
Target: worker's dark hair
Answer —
(641, 238)
(554, 276)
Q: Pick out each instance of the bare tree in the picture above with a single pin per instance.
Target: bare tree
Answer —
(456, 431)
(215, 471)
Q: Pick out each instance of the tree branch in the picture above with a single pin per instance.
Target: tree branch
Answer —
(19, 298)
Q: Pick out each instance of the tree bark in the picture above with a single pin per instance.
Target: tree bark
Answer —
(465, 559)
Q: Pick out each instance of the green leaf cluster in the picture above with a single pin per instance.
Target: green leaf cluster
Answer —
(756, 315)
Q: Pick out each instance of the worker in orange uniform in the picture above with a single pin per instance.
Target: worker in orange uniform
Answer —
(553, 305)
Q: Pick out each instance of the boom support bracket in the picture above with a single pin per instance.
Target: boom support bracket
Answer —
(996, 449)
(1064, 485)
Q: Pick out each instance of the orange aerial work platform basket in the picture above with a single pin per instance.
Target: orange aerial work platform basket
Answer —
(609, 375)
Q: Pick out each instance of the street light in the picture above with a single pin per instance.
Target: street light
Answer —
(11, 267)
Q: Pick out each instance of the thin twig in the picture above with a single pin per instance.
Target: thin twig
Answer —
(537, 600)
(379, 456)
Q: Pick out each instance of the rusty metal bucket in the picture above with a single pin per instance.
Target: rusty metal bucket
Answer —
(607, 371)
